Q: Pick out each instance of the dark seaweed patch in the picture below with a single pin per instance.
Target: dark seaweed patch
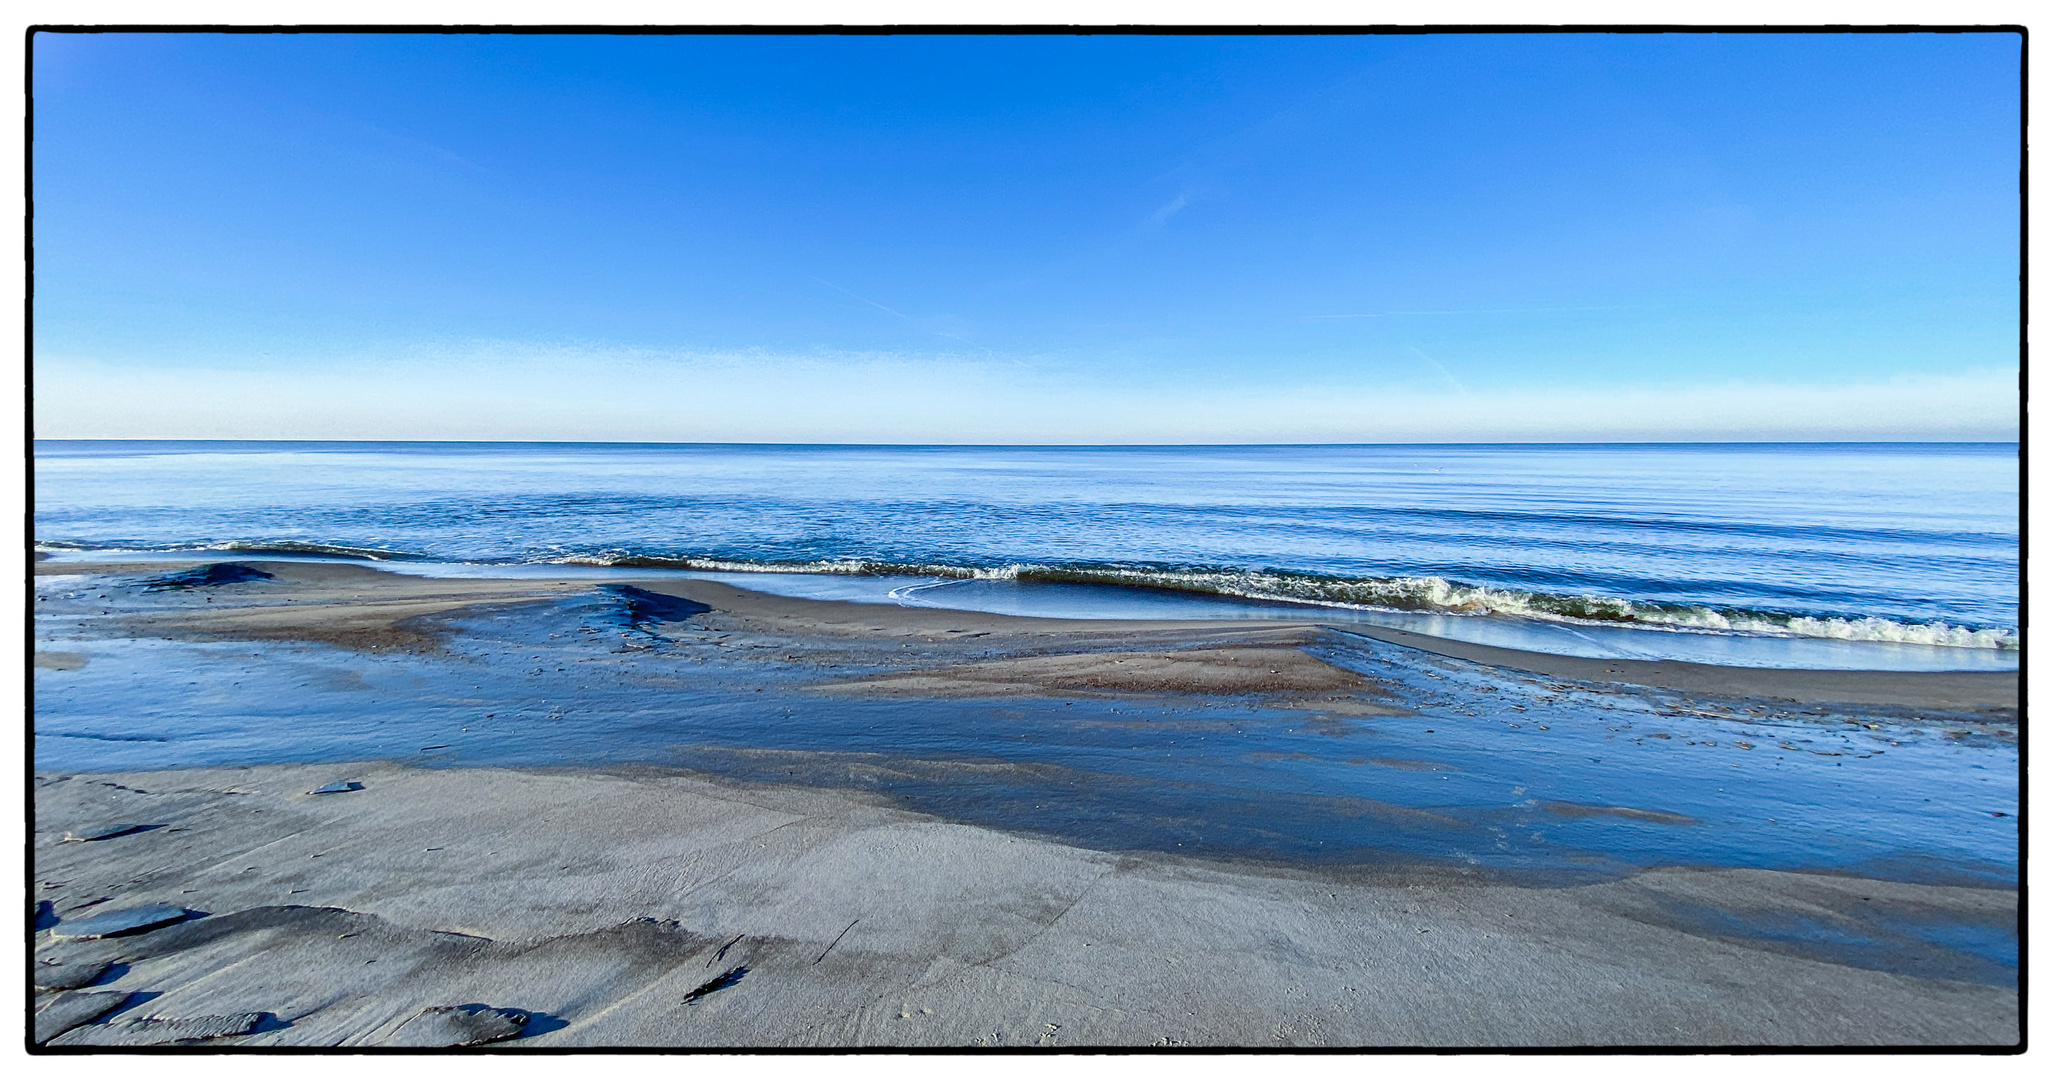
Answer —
(723, 981)
(200, 577)
(645, 607)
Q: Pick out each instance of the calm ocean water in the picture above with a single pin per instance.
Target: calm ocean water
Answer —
(1887, 555)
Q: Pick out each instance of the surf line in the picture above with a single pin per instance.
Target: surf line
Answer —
(1629, 653)
(904, 593)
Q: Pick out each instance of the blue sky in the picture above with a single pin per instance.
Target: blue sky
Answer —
(1027, 239)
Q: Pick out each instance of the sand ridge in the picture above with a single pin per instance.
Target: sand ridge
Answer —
(1268, 665)
(348, 605)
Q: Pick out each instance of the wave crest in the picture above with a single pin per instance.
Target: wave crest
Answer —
(253, 547)
(295, 547)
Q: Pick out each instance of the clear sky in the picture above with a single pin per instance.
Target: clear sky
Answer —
(1027, 239)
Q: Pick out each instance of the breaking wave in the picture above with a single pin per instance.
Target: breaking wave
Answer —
(294, 547)
(1430, 594)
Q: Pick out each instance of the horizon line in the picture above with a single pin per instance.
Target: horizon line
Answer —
(2013, 441)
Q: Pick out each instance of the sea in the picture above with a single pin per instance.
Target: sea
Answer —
(1857, 556)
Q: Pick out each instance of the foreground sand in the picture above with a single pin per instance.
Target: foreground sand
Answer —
(598, 901)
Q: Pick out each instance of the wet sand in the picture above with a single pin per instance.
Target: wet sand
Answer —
(659, 907)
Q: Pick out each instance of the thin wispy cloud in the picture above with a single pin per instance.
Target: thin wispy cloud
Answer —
(1476, 311)
(1168, 210)
(927, 324)
(1441, 368)
(420, 148)
(864, 299)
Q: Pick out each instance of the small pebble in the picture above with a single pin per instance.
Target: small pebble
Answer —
(104, 832)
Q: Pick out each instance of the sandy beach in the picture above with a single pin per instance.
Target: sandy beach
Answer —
(642, 904)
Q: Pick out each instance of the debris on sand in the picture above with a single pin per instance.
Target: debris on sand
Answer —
(106, 832)
(726, 979)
